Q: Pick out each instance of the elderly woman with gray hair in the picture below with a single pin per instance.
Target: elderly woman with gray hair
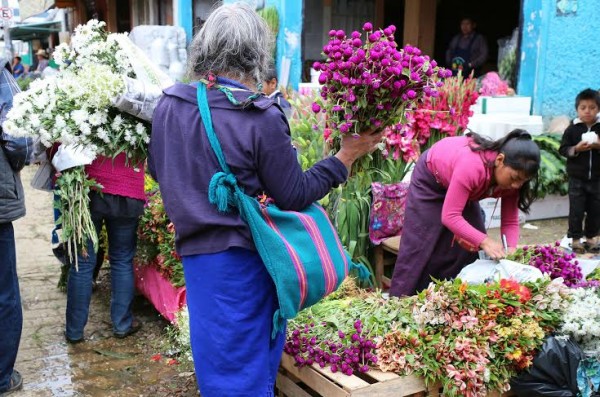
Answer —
(231, 297)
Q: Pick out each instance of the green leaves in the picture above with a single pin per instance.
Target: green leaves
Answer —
(73, 189)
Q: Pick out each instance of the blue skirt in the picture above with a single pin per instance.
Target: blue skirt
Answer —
(231, 301)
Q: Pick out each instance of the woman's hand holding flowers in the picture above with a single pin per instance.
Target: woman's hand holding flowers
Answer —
(354, 146)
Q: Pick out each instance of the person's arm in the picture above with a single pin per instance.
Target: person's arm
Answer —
(281, 174)
(479, 51)
(509, 218)
(17, 149)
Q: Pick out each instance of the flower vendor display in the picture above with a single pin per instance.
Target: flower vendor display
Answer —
(156, 238)
(75, 109)
(554, 261)
(446, 114)
(470, 339)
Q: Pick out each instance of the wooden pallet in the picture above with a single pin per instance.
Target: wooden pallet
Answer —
(314, 381)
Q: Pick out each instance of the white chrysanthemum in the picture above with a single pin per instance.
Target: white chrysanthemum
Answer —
(117, 122)
(80, 116)
(581, 320)
(140, 129)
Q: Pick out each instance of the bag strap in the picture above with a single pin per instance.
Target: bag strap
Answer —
(223, 190)
(208, 126)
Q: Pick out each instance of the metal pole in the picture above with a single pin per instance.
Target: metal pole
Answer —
(8, 47)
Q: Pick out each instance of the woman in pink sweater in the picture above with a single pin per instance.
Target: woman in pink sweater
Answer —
(443, 227)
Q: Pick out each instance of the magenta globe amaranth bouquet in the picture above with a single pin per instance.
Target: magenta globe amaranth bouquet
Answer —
(368, 81)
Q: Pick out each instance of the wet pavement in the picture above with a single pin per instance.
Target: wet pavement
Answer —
(102, 365)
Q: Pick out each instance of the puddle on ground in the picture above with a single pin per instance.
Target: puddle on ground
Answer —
(104, 366)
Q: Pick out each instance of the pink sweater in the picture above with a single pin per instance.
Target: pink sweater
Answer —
(117, 177)
(464, 174)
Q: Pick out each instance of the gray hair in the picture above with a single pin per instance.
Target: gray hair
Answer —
(234, 41)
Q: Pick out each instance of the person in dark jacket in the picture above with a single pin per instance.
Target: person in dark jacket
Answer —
(230, 295)
(468, 50)
(583, 167)
(14, 154)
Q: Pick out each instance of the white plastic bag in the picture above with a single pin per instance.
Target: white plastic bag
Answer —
(483, 271)
(68, 156)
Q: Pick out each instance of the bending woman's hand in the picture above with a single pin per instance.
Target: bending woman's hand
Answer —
(493, 249)
(356, 146)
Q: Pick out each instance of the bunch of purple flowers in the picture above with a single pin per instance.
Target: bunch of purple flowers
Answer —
(368, 82)
(351, 353)
(556, 262)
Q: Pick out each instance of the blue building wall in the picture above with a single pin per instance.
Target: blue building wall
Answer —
(289, 39)
(560, 53)
(184, 17)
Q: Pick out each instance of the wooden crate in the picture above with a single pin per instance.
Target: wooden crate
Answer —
(314, 381)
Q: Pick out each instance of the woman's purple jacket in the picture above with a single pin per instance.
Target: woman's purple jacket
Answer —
(258, 149)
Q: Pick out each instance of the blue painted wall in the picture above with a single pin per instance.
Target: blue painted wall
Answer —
(560, 54)
(184, 17)
(289, 39)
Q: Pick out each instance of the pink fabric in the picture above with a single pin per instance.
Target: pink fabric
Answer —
(167, 299)
(464, 174)
(387, 210)
(118, 178)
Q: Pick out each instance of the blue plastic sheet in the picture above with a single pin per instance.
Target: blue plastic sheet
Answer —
(588, 377)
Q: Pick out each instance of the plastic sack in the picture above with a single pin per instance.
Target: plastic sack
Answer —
(68, 156)
(139, 99)
(588, 377)
(553, 372)
(387, 210)
(483, 270)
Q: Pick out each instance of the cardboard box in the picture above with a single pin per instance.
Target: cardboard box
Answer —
(503, 104)
(495, 126)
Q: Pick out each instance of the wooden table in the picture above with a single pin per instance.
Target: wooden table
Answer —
(385, 254)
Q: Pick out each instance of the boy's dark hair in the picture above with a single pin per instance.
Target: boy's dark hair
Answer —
(18, 57)
(587, 94)
(271, 74)
(520, 153)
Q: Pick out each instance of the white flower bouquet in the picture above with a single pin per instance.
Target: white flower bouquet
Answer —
(75, 108)
(581, 320)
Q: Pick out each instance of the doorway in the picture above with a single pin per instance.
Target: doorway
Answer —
(495, 21)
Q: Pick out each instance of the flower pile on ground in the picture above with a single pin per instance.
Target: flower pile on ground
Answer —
(74, 109)
(551, 259)
(471, 339)
(156, 238)
(582, 319)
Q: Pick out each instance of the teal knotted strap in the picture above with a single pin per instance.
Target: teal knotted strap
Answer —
(223, 187)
